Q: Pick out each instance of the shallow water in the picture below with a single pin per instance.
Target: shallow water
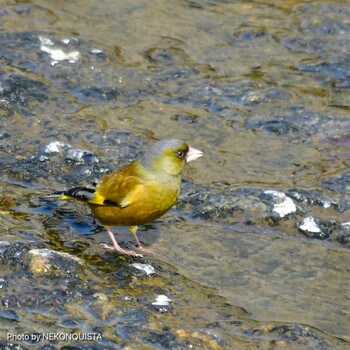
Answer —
(262, 88)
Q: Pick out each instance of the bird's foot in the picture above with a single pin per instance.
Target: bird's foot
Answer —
(144, 250)
(121, 250)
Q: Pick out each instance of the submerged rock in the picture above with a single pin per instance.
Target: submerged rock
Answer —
(4, 345)
(228, 205)
(343, 235)
(50, 262)
(291, 334)
(9, 315)
(12, 254)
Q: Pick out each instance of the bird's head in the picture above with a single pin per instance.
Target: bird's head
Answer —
(170, 156)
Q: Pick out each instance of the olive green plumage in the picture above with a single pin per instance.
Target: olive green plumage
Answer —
(140, 192)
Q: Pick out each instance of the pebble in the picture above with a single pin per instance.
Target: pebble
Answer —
(283, 205)
(162, 300)
(309, 224)
(147, 268)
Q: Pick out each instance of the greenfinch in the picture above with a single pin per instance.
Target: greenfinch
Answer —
(140, 192)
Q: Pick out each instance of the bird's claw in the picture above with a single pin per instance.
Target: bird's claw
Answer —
(106, 246)
(121, 250)
(145, 250)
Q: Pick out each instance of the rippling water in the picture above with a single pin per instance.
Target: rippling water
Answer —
(262, 87)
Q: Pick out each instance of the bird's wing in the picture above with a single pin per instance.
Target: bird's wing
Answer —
(120, 188)
(117, 189)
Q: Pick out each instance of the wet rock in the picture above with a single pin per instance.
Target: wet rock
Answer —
(337, 73)
(80, 156)
(164, 340)
(282, 205)
(331, 66)
(4, 345)
(127, 298)
(139, 270)
(2, 283)
(50, 262)
(278, 127)
(18, 93)
(306, 199)
(167, 56)
(11, 254)
(185, 118)
(249, 33)
(313, 228)
(200, 339)
(310, 226)
(57, 54)
(293, 334)
(131, 322)
(4, 136)
(146, 268)
(225, 205)
(55, 160)
(60, 61)
(98, 52)
(47, 347)
(102, 305)
(87, 346)
(231, 205)
(343, 234)
(31, 297)
(23, 9)
(9, 315)
(74, 323)
(260, 96)
(162, 303)
(3, 12)
(53, 148)
(95, 93)
(339, 183)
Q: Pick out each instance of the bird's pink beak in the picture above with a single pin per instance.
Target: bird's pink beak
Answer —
(193, 154)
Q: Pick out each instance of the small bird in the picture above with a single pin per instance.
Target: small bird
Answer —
(140, 192)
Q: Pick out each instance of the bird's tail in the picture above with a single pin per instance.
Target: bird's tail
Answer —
(56, 194)
(83, 193)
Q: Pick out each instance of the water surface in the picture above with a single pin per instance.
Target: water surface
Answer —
(261, 87)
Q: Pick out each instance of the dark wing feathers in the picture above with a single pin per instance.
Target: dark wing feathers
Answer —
(83, 193)
(119, 188)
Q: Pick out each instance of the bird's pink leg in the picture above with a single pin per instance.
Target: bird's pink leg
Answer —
(116, 246)
(140, 247)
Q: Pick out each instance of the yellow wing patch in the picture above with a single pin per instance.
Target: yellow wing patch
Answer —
(65, 197)
(132, 196)
(121, 191)
(98, 199)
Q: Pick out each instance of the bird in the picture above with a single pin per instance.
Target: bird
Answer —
(138, 193)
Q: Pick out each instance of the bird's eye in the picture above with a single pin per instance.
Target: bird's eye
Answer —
(180, 154)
